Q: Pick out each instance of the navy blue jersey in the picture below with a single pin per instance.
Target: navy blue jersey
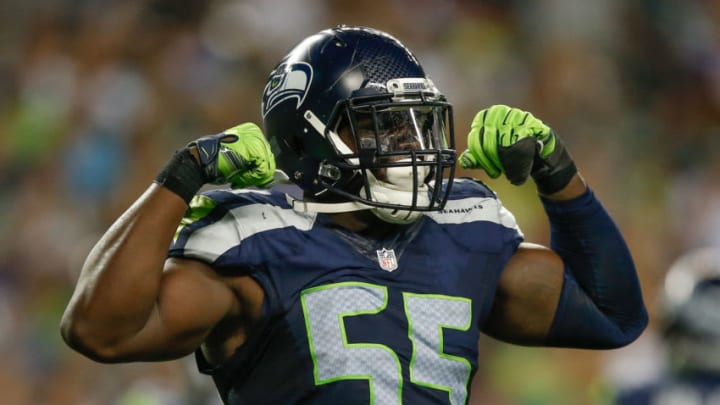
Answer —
(347, 319)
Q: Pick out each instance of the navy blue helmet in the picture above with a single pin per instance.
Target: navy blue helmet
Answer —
(351, 116)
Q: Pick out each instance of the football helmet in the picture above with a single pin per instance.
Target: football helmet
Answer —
(690, 310)
(353, 120)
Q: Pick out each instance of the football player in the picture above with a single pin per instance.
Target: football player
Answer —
(373, 283)
(690, 326)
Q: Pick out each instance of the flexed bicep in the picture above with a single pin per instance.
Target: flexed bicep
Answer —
(527, 297)
(193, 299)
(584, 293)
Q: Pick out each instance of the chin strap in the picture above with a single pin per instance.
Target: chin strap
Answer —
(311, 206)
(326, 208)
(390, 215)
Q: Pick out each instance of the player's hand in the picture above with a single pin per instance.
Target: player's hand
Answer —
(512, 141)
(240, 156)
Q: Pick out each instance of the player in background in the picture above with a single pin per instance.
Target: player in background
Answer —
(373, 284)
(690, 329)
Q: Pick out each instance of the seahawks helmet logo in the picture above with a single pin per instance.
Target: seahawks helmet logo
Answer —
(291, 81)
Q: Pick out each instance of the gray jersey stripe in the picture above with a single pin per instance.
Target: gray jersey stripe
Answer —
(240, 223)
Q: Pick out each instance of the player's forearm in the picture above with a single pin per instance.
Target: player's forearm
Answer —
(601, 305)
(120, 280)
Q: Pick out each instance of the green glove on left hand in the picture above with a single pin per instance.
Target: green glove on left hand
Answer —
(512, 141)
(240, 156)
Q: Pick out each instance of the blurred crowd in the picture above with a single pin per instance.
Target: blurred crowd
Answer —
(95, 95)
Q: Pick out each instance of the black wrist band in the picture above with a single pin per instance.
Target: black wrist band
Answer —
(554, 172)
(556, 181)
(182, 175)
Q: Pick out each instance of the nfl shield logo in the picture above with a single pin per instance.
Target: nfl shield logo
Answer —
(387, 259)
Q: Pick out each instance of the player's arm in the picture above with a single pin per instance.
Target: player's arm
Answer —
(125, 307)
(130, 303)
(584, 291)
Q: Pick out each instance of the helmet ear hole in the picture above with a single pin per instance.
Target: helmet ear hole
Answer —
(295, 144)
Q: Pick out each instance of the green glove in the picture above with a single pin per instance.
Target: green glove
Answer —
(512, 141)
(240, 156)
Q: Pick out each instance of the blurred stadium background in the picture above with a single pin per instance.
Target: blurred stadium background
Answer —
(96, 95)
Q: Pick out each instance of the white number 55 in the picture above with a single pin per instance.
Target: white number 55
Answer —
(335, 359)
